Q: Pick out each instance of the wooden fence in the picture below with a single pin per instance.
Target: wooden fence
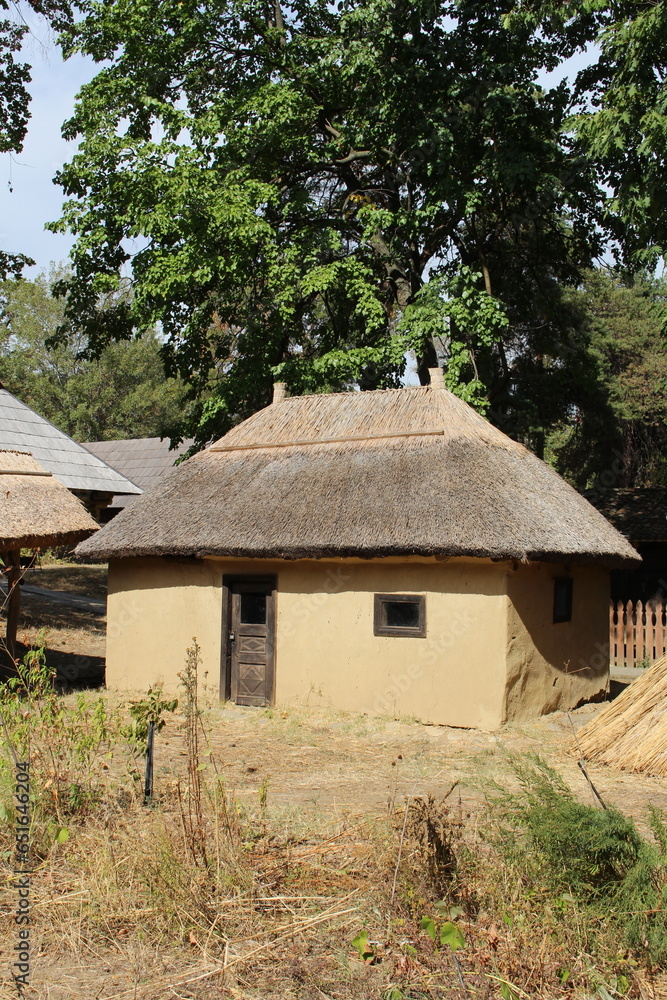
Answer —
(637, 632)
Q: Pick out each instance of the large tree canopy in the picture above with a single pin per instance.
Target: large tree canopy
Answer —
(614, 431)
(307, 191)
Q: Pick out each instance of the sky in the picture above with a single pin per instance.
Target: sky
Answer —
(35, 199)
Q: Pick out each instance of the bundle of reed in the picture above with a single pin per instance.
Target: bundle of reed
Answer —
(631, 733)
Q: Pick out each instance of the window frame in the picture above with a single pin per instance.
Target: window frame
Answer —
(379, 628)
(567, 583)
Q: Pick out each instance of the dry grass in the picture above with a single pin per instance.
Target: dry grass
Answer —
(126, 909)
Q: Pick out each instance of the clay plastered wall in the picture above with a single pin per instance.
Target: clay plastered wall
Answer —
(155, 607)
(555, 666)
(327, 654)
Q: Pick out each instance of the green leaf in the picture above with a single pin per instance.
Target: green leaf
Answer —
(62, 835)
(360, 942)
(429, 927)
(451, 935)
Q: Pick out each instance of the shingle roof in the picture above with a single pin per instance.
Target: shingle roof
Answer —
(391, 472)
(21, 429)
(639, 514)
(145, 461)
(36, 510)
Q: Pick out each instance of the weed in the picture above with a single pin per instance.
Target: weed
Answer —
(192, 810)
(144, 712)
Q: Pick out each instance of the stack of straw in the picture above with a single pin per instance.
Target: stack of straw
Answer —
(631, 733)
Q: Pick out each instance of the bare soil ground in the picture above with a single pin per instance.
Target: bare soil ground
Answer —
(336, 764)
(75, 637)
(87, 581)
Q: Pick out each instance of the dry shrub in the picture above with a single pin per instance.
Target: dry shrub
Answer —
(435, 829)
(199, 896)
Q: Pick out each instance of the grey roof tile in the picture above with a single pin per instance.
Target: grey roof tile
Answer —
(75, 467)
(143, 460)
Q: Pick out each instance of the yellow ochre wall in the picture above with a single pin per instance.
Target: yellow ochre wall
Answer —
(327, 655)
(154, 608)
(555, 666)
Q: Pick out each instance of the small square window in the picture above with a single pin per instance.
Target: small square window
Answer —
(562, 599)
(400, 614)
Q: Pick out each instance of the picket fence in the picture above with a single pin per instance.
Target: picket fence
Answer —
(637, 632)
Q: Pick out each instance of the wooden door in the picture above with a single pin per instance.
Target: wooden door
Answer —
(250, 640)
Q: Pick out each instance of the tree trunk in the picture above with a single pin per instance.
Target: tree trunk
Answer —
(14, 598)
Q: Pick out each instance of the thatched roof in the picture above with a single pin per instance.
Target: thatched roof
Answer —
(21, 429)
(639, 514)
(35, 508)
(392, 472)
(630, 734)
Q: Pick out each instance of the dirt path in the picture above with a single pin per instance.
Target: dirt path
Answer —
(325, 761)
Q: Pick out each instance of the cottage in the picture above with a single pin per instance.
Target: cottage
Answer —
(36, 511)
(380, 552)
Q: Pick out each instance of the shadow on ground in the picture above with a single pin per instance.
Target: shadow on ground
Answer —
(74, 671)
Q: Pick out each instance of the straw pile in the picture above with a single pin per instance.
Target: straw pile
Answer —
(370, 474)
(631, 733)
(36, 510)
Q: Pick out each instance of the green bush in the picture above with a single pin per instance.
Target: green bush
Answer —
(595, 855)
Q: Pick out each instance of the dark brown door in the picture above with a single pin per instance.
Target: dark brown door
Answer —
(250, 639)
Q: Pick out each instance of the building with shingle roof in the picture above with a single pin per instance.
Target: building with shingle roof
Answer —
(82, 473)
(144, 461)
(640, 514)
(385, 552)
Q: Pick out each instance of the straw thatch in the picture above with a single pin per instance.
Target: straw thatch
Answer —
(35, 508)
(631, 733)
(393, 472)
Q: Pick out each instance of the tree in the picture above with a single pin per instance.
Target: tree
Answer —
(623, 126)
(122, 393)
(318, 188)
(14, 94)
(614, 431)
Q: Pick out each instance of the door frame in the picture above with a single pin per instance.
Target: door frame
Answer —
(229, 582)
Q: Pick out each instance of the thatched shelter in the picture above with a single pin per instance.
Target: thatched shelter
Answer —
(36, 511)
(352, 523)
(630, 734)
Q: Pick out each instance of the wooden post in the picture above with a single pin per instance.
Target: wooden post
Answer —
(14, 598)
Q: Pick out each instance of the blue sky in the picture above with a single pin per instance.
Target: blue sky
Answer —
(35, 199)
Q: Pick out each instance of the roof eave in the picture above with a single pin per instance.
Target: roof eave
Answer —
(608, 560)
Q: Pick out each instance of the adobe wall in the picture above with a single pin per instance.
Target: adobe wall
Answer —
(555, 666)
(154, 608)
(491, 652)
(326, 652)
